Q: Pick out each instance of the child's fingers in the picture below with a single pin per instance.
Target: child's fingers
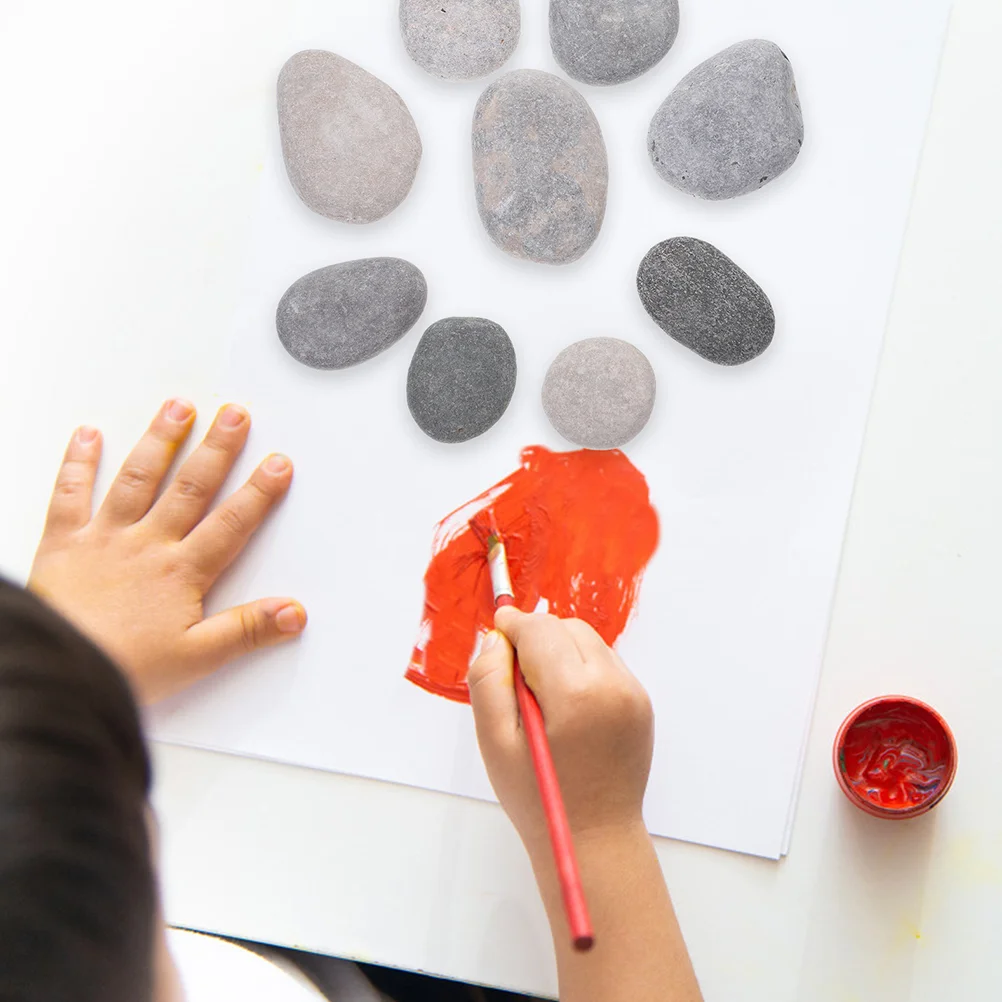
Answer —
(217, 540)
(70, 506)
(188, 496)
(492, 691)
(550, 659)
(138, 480)
(242, 629)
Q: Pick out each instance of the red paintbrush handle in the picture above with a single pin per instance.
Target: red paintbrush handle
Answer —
(556, 816)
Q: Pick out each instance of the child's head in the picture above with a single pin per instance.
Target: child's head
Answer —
(77, 889)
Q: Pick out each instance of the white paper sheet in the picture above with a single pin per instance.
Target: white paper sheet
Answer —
(751, 469)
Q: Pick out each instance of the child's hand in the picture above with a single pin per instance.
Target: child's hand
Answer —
(598, 721)
(134, 575)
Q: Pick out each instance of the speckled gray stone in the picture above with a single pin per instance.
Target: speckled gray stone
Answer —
(540, 167)
(610, 41)
(346, 313)
(599, 392)
(350, 145)
(705, 301)
(460, 39)
(731, 125)
(461, 378)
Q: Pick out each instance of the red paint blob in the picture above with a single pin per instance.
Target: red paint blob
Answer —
(895, 756)
(579, 529)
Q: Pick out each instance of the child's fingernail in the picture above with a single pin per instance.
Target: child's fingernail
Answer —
(179, 410)
(290, 619)
(232, 417)
(277, 463)
(86, 434)
(490, 640)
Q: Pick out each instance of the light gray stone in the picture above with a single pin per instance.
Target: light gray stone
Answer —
(599, 393)
(539, 166)
(461, 378)
(731, 125)
(344, 314)
(611, 41)
(460, 39)
(350, 145)
(703, 300)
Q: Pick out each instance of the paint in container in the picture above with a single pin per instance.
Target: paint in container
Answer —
(895, 757)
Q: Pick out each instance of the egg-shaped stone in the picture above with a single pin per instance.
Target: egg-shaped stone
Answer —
(540, 167)
(350, 145)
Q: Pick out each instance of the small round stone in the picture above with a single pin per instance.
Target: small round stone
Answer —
(731, 125)
(599, 393)
(702, 299)
(461, 378)
(460, 39)
(350, 145)
(344, 314)
(611, 41)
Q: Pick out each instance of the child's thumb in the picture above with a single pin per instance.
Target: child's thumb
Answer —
(491, 682)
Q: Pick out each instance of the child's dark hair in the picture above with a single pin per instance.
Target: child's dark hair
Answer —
(77, 891)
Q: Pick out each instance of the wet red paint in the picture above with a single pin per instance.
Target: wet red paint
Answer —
(897, 755)
(579, 529)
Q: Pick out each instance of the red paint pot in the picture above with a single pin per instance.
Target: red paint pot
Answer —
(895, 757)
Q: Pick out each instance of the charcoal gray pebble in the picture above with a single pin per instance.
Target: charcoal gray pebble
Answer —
(350, 145)
(705, 301)
(461, 378)
(731, 125)
(460, 39)
(539, 166)
(344, 314)
(610, 41)
(599, 392)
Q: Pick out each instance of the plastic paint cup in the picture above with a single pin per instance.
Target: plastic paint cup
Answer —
(894, 757)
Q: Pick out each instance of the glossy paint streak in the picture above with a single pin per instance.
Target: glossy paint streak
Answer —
(896, 756)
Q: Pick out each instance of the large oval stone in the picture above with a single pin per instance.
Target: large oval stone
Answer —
(701, 298)
(461, 378)
(610, 41)
(731, 125)
(346, 313)
(460, 39)
(599, 392)
(350, 145)
(540, 167)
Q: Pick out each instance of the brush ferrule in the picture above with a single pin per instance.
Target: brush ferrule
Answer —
(497, 564)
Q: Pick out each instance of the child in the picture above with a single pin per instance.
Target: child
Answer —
(77, 905)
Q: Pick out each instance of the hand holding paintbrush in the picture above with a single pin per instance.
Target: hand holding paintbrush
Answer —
(599, 731)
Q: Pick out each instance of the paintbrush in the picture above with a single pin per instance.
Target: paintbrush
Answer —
(484, 527)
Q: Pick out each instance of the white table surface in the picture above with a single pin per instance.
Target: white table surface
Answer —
(861, 909)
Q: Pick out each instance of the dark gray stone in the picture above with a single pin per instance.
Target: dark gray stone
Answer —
(731, 125)
(540, 167)
(460, 39)
(610, 41)
(599, 393)
(461, 378)
(344, 314)
(350, 145)
(703, 300)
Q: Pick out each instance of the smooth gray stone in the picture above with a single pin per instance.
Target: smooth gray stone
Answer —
(460, 39)
(731, 125)
(461, 378)
(599, 393)
(350, 145)
(346, 313)
(703, 300)
(540, 167)
(611, 41)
